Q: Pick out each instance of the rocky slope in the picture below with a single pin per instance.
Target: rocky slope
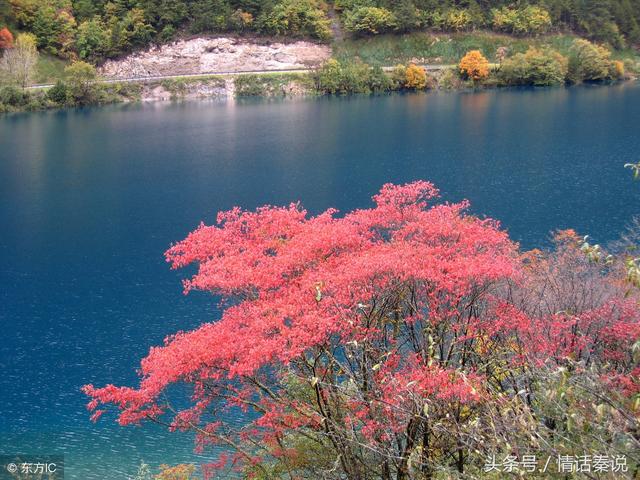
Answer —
(208, 55)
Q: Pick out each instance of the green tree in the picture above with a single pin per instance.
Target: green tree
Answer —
(93, 39)
(216, 16)
(54, 26)
(80, 79)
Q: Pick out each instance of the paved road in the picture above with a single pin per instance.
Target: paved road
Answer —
(432, 67)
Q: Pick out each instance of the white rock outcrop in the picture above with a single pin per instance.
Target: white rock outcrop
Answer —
(216, 55)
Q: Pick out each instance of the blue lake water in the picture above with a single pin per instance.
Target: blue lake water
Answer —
(90, 199)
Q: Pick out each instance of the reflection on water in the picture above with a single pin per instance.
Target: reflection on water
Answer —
(90, 199)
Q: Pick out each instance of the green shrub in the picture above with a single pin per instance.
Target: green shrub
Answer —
(298, 18)
(452, 19)
(58, 94)
(346, 78)
(14, 99)
(379, 81)
(631, 66)
(433, 19)
(36, 101)
(589, 62)
(457, 19)
(93, 39)
(13, 96)
(528, 20)
(167, 33)
(240, 20)
(535, 67)
(449, 79)
(408, 17)
(370, 20)
(345, 5)
(603, 31)
(177, 87)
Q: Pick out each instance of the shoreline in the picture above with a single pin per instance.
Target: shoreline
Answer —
(224, 68)
(244, 85)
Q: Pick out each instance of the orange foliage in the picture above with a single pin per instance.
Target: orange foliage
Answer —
(474, 65)
(415, 77)
(618, 67)
(6, 38)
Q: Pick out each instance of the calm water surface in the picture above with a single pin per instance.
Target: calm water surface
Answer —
(90, 199)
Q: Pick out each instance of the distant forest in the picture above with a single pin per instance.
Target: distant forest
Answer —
(99, 29)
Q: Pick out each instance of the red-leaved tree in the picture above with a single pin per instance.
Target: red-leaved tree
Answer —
(391, 342)
(6, 38)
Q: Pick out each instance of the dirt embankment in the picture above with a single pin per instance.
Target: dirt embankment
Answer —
(207, 55)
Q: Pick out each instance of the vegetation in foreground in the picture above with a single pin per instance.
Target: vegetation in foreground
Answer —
(410, 340)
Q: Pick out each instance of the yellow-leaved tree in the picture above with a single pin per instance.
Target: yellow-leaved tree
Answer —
(475, 66)
(415, 77)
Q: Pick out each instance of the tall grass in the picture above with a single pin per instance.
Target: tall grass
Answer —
(49, 69)
(445, 48)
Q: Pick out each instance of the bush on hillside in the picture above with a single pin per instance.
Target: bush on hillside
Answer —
(535, 67)
(589, 62)
(457, 19)
(528, 20)
(339, 78)
(453, 19)
(59, 93)
(13, 96)
(408, 17)
(369, 20)
(298, 18)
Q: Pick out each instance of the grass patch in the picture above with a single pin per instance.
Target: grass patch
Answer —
(49, 69)
(179, 87)
(121, 91)
(217, 80)
(446, 48)
(272, 84)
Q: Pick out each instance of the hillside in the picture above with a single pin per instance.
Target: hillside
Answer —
(99, 30)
